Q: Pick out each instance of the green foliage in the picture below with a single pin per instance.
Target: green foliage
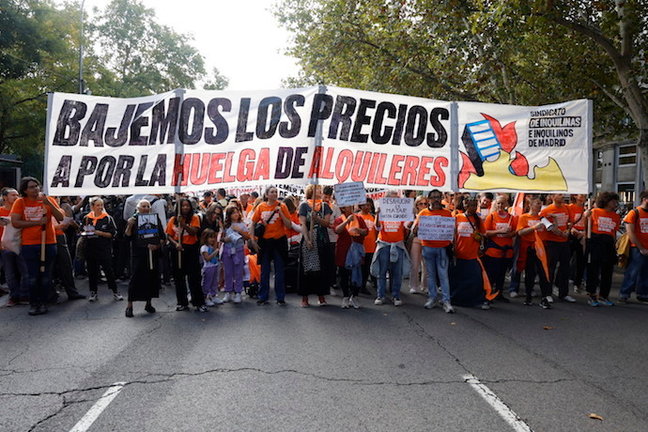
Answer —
(217, 82)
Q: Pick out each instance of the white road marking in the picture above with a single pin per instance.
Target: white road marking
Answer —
(500, 407)
(87, 420)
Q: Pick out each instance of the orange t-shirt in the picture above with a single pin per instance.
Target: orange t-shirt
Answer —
(560, 216)
(428, 212)
(575, 213)
(275, 229)
(641, 226)
(494, 222)
(466, 245)
(3, 212)
(370, 239)
(32, 210)
(174, 231)
(605, 222)
(392, 232)
(294, 218)
(527, 220)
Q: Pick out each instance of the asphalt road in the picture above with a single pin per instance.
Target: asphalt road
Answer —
(271, 368)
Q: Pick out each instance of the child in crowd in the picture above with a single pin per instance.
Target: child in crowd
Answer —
(209, 253)
(233, 257)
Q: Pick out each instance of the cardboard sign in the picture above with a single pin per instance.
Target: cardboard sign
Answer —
(349, 194)
(147, 227)
(396, 209)
(436, 228)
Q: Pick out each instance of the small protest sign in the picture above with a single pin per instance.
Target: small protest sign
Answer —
(436, 228)
(147, 227)
(348, 194)
(396, 209)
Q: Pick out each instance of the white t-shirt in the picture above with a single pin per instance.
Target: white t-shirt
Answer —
(211, 263)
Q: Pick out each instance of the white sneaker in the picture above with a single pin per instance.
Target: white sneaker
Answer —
(379, 301)
(569, 299)
(209, 302)
(353, 300)
(117, 296)
(549, 299)
(237, 298)
(228, 297)
(430, 304)
(447, 307)
(93, 297)
(398, 302)
(217, 300)
(345, 303)
(514, 294)
(413, 291)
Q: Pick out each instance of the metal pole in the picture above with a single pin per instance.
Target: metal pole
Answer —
(81, 89)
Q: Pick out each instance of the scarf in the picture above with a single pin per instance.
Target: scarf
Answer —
(94, 218)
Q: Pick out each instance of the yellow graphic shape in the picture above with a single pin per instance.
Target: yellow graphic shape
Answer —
(497, 176)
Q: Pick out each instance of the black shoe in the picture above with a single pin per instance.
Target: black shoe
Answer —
(528, 301)
(76, 296)
(281, 302)
(37, 310)
(262, 302)
(149, 308)
(181, 308)
(544, 303)
(129, 312)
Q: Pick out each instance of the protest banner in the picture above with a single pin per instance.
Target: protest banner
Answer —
(512, 148)
(194, 140)
(396, 209)
(350, 194)
(436, 228)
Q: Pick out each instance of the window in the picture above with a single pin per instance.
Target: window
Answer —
(599, 159)
(626, 192)
(627, 155)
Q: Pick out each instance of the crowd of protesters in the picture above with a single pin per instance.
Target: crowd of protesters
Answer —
(219, 248)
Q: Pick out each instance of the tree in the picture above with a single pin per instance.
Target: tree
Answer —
(502, 51)
(143, 56)
(218, 81)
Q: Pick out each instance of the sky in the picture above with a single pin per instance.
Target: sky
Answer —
(241, 38)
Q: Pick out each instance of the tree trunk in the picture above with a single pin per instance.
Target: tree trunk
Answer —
(642, 147)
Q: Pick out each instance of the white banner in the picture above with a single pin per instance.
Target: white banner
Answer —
(396, 209)
(529, 149)
(437, 228)
(195, 140)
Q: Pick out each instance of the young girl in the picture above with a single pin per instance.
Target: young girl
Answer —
(209, 253)
(236, 233)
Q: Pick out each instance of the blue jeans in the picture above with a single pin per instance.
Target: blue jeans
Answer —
(38, 283)
(272, 254)
(395, 272)
(436, 265)
(16, 274)
(636, 275)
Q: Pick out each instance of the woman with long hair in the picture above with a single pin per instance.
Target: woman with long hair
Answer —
(182, 232)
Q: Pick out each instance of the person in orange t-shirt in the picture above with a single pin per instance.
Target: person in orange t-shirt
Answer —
(33, 213)
(500, 228)
(182, 232)
(389, 256)
(556, 242)
(14, 264)
(601, 248)
(436, 256)
(467, 284)
(577, 236)
(367, 212)
(527, 225)
(636, 275)
(273, 245)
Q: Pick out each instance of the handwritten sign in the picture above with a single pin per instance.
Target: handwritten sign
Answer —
(436, 228)
(348, 194)
(396, 209)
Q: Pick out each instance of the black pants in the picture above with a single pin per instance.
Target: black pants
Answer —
(602, 257)
(496, 269)
(96, 260)
(532, 268)
(366, 266)
(348, 289)
(558, 256)
(188, 268)
(63, 266)
(577, 263)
